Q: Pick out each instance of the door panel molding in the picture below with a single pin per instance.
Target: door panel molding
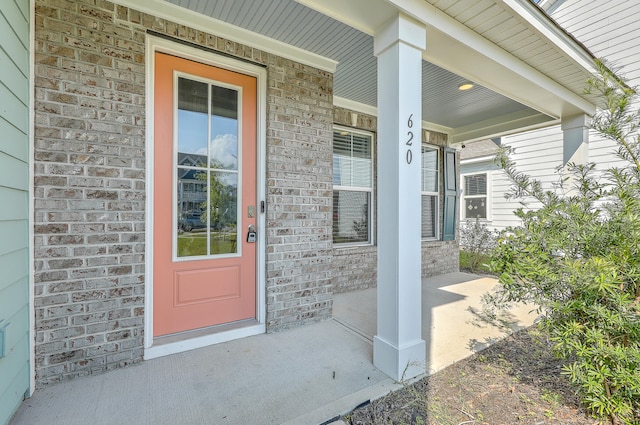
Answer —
(251, 327)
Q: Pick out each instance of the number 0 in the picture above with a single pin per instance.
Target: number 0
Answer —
(409, 156)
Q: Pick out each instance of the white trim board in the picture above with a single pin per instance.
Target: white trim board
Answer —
(202, 341)
(352, 105)
(32, 272)
(153, 45)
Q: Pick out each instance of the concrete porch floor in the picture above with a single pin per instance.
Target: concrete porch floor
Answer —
(306, 375)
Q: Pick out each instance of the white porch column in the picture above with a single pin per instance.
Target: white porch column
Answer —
(398, 348)
(575, 134)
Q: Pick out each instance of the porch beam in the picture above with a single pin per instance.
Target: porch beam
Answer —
(575, 139)
(398, 348)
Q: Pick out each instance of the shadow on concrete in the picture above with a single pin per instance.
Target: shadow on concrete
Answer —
(300, 376)
(452, 324)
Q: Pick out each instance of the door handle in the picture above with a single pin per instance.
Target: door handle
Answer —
(251, 235)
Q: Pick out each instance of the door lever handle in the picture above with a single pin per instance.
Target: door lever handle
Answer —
(251, 234)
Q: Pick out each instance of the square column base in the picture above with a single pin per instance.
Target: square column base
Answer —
(400, 363)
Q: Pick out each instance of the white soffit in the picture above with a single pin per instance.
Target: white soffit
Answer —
(466, 40)
(456, 41)
(187, 17)
(507, 46)
(525, 11)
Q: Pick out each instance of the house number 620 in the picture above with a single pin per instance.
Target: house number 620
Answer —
(410, 141)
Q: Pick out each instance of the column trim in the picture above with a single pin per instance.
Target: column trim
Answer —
(403, 29)
(398, 349)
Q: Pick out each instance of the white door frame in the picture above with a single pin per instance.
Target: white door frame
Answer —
(157, 44)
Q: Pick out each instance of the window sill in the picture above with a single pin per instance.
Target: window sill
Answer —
(353, 245)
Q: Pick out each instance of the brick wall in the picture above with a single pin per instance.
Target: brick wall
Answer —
(89, 190)
(299, 195)
(440, 257)
(90, 185)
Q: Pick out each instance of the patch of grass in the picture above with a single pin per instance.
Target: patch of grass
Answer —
(551, 397)
(195, 243)
(474, 262)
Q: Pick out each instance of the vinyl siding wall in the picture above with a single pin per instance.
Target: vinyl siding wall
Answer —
(14, 203)
(611, 31)
(536, 153)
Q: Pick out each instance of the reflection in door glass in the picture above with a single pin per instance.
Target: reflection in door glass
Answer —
(192, 118)
(207, 173)
(224, 128)
(223, 212)
(192, 221)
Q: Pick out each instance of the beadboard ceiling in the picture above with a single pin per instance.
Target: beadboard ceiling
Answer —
(471, 113)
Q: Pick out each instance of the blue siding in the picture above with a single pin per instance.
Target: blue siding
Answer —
(14, 203)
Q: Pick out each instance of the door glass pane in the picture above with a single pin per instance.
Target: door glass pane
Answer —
(207, 173)
(192, 220)
(192, 121)
(223, 212)
(224, 128)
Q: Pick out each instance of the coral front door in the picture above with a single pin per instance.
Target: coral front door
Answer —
(204, 254)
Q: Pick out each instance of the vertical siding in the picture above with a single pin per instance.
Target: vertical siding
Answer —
(611, 31)
(14, 202)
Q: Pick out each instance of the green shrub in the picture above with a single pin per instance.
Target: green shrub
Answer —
(577, 257)
(476, 242)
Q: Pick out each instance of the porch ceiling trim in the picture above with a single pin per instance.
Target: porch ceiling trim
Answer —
(461, 50)
(364, 15)
(479, 159)
(501, 126)
(206, 24)
(452, 46)
(342, 102)
(354, 106)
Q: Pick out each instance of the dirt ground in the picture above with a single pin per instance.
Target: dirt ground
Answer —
(515, 381)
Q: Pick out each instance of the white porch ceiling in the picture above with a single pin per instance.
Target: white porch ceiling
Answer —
(523, 77)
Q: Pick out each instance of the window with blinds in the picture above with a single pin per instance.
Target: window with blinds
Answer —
(352, 186)
(475, 196)
(430, 192)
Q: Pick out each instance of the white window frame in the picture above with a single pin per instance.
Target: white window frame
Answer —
(208, 170)
(464, 197)
(436, 194)
(369, 242)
